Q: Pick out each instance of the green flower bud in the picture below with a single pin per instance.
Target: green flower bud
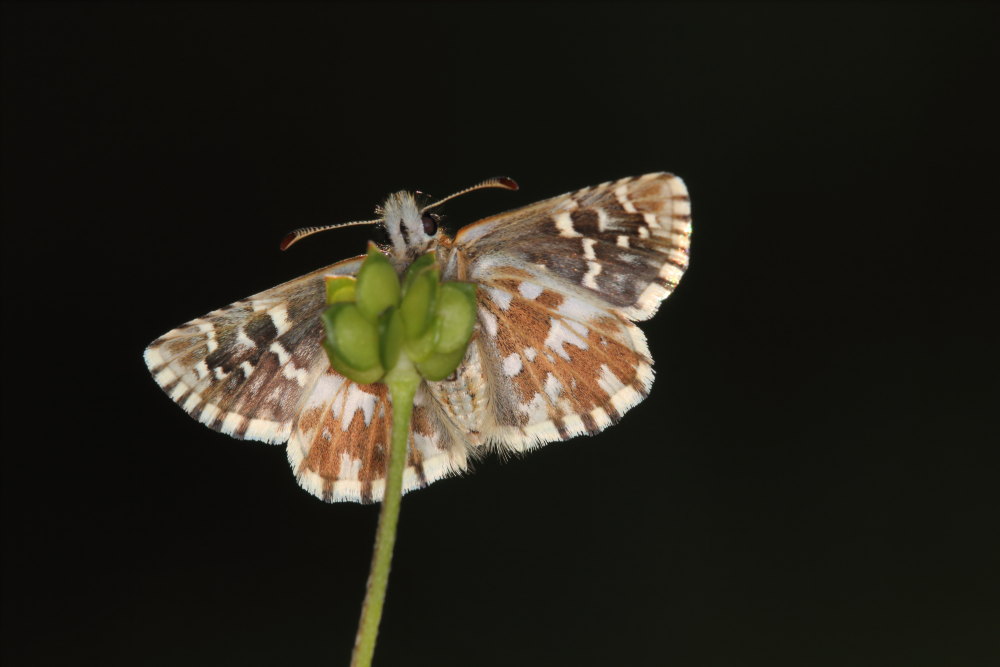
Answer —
(391, 333)
(421, 347)
(351, 339)
(440, 365)
(368, 326)
(456, 315)
(418, 303)
(378, 285)
(340, 289)
(419, 264)
(361, 377)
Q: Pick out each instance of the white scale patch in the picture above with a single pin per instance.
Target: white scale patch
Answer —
(590, 278)
(281, 352)
(232, 422)
(571, 332)
(678, 256)
(279, 317)
(300, 375)
(530, 290)
(624, 397)
(426, 445)
(501, 297)
(192, 402)
(349, 402)
(608, 381)
(578, 309)
(243, 339)
(601, 417)
(350, 468)
(267, 430)
(564, 223)
(602, 219)
(328, 385)
(210, 413)
(210, 341)
(621, 193)
(536, 409)
(288, 368)
(553, 388)
(512, 364)
(489, 321)
(682, 208)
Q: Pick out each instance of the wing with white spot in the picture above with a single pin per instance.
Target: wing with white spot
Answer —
(245, 368)
(623, 243)
(557, 365)
(340, 442)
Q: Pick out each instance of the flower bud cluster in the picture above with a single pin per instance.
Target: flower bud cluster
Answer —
(373, 319)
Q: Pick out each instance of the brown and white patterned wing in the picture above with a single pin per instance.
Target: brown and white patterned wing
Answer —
(245, 368)
(256, 370)
(560, 281)
(558, 365)
(340, 440)
(622, 243)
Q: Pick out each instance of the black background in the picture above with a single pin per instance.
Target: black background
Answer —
(813, 480)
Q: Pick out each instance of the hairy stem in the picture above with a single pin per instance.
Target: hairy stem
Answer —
(403, 381)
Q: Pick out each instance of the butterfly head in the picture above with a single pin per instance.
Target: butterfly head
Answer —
(406, 216)
(412, 230)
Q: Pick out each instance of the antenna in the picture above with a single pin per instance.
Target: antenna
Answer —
(297, 235)
(302, 232)
(502, 182)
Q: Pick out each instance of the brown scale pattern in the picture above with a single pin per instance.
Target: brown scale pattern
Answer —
(608, 344)
(367, 442)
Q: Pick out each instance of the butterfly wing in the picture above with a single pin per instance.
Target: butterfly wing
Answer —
(622, 243)
(244, 368)
(560, 281)
(256, 370)
(340, 441)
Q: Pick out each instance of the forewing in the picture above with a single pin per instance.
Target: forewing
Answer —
(622, 243)
(340, 441)
(245, 368)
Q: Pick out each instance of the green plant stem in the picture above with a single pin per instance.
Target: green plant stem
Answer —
(403, 381)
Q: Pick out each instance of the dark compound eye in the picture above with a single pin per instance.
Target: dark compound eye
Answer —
(430, 224)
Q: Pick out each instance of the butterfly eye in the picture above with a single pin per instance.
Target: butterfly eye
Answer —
(430, 224)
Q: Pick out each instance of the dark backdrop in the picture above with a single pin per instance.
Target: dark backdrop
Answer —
(811, 482)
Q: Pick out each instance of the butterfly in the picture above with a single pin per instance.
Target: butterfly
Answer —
(554, 354)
